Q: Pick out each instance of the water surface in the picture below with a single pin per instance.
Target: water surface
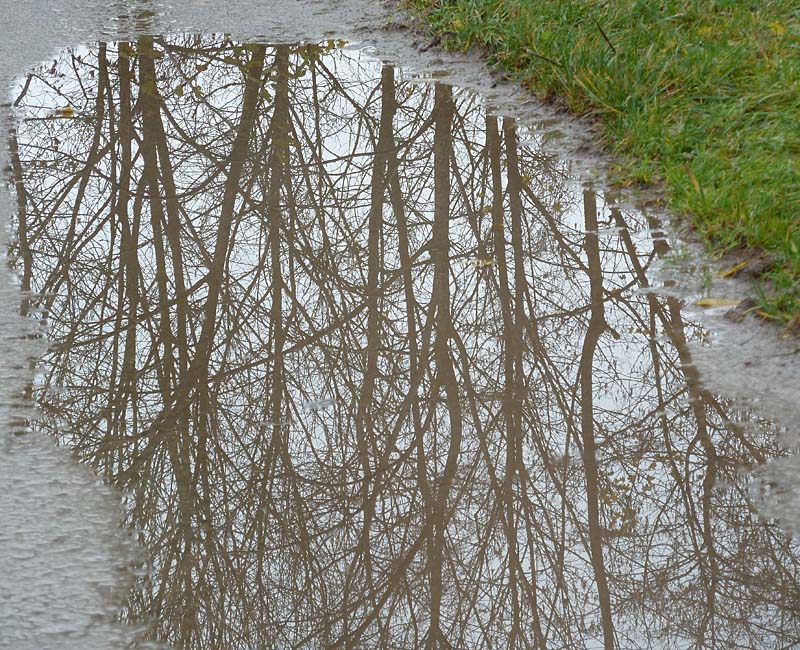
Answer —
(372, 368)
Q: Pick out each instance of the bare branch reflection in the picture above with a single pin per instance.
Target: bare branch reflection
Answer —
(373, 372)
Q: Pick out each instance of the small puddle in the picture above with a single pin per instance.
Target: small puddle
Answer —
(372, 368)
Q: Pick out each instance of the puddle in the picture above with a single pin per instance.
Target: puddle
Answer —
(372, 368)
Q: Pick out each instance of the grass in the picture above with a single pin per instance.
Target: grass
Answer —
(702, 96)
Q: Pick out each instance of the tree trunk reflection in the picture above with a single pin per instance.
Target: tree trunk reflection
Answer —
(372, 369)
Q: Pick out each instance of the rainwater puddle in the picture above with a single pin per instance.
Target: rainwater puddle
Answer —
(372, 368)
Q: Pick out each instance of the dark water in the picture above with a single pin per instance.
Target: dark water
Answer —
(372, 369)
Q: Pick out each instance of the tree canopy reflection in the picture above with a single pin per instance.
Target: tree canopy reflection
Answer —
(373, 370)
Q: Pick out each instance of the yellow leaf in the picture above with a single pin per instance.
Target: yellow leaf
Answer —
(732, 271)
(765, 315)
(777, 27)
(179, 90)
(65, 112)
(716, 302)
(695, 183)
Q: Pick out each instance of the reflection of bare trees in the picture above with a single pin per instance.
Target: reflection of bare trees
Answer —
(373, 375)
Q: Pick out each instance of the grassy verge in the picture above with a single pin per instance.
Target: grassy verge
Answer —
(700, 95)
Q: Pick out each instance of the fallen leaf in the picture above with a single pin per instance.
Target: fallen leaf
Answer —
(778, 28)
(733, 270)
(717, 302)
(765, 315)
(692, 178)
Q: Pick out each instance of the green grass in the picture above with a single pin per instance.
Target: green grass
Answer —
(700, 95)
